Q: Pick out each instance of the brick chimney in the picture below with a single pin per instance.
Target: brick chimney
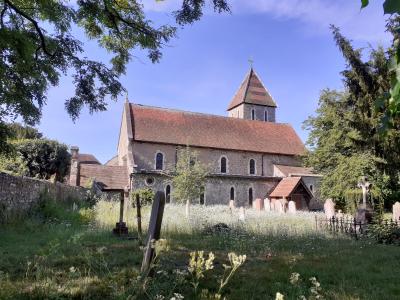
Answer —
(74, 169)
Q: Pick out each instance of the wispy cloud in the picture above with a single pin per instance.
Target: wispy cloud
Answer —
(315, 16)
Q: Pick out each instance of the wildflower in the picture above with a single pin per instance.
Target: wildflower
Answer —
(294, 278)
(279, 296)
(159, 297)
(236, 261)
(210, 261)
(177, 296)
(72, 269)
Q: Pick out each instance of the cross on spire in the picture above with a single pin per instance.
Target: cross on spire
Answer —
(251, 61)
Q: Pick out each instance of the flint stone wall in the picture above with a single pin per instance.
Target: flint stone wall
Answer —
(18, 194)
(217, 189)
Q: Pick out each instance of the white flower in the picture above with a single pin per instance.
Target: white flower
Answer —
(279, 296)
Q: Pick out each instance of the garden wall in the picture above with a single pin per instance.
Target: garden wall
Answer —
(18, 194)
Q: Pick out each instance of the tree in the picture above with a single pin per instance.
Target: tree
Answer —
(392, 95)
(39, 158)
(37, 46)
(344, 135)
(190, 177)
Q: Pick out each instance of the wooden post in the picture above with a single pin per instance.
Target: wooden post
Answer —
(138, 217)
(157, 212)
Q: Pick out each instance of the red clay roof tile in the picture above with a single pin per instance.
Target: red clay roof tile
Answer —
(285, 187)
(158, 125)
(252, 91)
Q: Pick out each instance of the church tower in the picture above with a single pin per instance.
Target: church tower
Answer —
(252, 101)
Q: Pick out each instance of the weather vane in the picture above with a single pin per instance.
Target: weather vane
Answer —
(126, 97)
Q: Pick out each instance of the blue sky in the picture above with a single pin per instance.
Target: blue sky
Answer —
(289, 41)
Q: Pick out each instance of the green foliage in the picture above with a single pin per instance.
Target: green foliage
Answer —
(344, 134)
(392, 95)
(146, 196)
(23, 132)
(38, 45)
(385, 232)
(40, 158)
(190, 176)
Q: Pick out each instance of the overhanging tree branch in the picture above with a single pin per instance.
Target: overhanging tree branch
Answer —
(34, 23)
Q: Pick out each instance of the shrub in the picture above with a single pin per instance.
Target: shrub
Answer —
(146, 196)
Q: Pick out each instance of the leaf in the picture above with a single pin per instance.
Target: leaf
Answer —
(364, 3)
(391, 6)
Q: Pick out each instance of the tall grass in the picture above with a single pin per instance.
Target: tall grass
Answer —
(203, 217)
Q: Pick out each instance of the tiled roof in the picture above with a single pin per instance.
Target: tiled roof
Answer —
(87, 159)
(291, 170)
(252, 91)
(109, 177)
(158, 125)
(285, 187)
(112, 162)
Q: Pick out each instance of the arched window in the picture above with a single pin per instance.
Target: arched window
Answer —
(223, 165)
(232, 193)
(168, 194)
(252, 167)
(253, 114)
(250, 197)
(159, 161)
(266, 115)
(202, 191)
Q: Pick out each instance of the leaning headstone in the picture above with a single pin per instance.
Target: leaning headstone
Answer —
(292, 207)
(278, 206)
(267, 204)
(242, 215)
(396, 212)
(329, 208)
(259, 204)
(156, 216)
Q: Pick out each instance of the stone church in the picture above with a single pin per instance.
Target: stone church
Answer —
(249, 154)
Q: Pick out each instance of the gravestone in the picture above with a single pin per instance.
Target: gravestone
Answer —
(231, 204)
(120, 227)
(396, 212)
(292, 207)
(157, 211)
(259, 204)
(278, 206)
(242, 214)
(267, 204)
(329, 208)
(284, 204)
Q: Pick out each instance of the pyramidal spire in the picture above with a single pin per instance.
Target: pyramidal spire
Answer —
(252, 91)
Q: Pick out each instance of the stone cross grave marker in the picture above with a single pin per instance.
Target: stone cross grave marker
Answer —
(267, 204)
(157, 211)
(292, 207)
(120, 227)
(396, 212)
(329, 208)
(365, 186)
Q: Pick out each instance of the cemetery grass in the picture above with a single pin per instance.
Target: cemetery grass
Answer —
(61, 259)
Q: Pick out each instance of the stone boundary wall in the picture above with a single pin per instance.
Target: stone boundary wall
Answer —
(18, 194)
